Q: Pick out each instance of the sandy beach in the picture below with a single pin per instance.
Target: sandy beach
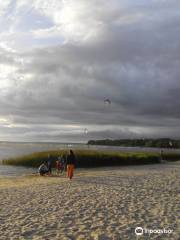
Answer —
(104, 203)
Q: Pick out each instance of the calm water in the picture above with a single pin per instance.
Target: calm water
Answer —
(12, 171)
(18, 149)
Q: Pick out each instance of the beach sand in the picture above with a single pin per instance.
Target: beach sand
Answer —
(104, 203)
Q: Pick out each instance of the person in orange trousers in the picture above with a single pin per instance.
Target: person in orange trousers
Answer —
(71, 162)
(70, 171)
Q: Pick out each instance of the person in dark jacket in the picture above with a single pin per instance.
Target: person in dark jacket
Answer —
(71, 163)
(49, 164)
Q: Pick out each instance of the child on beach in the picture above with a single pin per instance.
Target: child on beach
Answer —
(60, 164)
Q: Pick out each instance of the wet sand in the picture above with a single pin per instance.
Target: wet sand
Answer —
(104, 203)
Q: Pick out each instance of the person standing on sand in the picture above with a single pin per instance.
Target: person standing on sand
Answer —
(63, 163)
(49, 163)
(58, 166)
(71, 162)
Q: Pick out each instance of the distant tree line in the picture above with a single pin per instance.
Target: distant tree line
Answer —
(159, 143)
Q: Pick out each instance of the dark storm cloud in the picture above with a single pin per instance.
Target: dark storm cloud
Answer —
(136, 65)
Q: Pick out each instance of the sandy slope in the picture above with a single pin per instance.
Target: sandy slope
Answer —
(96, 204)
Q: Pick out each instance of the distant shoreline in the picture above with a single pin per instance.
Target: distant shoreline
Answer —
(140, 142)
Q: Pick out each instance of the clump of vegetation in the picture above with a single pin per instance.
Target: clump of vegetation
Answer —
(91, 158)
(87, 158)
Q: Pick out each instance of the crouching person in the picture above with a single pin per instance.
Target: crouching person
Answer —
(43, 169)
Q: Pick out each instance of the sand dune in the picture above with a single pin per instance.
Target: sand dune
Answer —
(97, 204)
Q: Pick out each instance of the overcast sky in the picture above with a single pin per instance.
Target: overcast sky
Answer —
(59, 60)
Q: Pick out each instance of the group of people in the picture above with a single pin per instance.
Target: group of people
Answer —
(63, 163)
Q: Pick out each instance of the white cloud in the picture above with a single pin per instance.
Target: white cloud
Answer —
(4, 7)
(53, 32)
(84, 21)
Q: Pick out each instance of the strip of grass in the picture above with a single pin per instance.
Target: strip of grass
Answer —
(91, 158)
(87, 158)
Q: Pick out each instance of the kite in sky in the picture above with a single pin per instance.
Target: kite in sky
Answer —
(107, 101)
(86, 131)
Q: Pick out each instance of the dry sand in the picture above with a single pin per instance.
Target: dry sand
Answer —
(97, 204)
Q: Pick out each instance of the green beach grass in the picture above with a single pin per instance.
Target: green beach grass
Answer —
(91, 158)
